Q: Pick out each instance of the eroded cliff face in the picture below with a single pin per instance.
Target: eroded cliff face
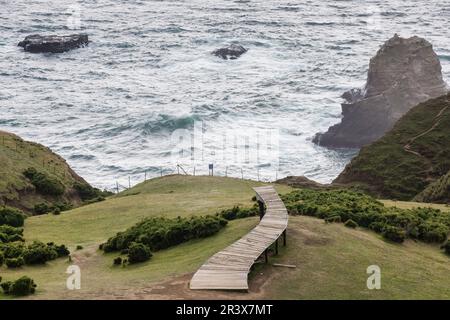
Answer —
(403, 73)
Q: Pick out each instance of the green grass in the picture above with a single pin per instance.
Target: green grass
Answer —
(170, 196)
(93, 224)
(331, 259)
(17, 155)
(393, 173)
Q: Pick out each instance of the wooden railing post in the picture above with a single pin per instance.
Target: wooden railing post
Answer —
(276, 247)
(284, 238)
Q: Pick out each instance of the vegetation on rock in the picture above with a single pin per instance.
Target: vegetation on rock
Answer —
(32, 174)
(409, 158)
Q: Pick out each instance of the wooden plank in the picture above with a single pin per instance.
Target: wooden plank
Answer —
(228, 269)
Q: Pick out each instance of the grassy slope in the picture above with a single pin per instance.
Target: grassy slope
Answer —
(331, 259)
(392, 172)
(92, 224)
(16, 155)
(438, 191)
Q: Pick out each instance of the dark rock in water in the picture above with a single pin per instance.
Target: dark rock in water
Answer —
(54, 44)
(232, 52)
(403, 73)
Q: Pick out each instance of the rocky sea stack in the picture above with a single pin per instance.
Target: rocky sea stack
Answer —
(53, 44)
(230, 52)
(404, 73)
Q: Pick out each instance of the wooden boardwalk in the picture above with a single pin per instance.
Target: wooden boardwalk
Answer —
(229, 268)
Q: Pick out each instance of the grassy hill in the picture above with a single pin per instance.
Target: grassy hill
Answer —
(438, 191)
(413, 155)
(16, 156)
(331, 259)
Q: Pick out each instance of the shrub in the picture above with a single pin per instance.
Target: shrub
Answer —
(22, 287)
(447, 247)
(56, 211)
(61, 250)
(13, 249)
(138, 252)
(11, 217)
(10, 234)
(394, 234)
(426, 224)
(79, 247)
(6, 286)
(2, 259)
(433, 232)
(44, 184)
(89, 193)
(377, 226)
(41, 208)
(14, 262)
(117, 261)
(159, 232)
(333, 219)
(350, 224)
(39, 253)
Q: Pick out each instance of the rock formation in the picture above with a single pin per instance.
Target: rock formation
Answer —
(404, 73)
(54, 44)
(230, 52)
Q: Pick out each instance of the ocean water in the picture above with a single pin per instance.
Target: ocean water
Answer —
(114, 109)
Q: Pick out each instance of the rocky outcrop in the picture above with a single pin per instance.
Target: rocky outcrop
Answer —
(404, 73)
(231, 52)
(53, 44)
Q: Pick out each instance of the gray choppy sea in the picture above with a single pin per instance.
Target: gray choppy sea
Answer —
(111, 108)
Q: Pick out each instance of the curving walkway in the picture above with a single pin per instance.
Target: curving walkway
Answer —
(229, 268)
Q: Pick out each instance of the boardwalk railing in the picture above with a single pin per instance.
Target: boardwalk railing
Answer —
(229, 268)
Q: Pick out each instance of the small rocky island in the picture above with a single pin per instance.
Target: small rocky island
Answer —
(404, 73)
(53, 44)
(230, 52)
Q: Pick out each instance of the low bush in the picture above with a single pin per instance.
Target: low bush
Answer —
(238, 213)
(394, 234)
(41, 208)
(43, 183)
(79, 247)
(2, 259)
(159, 232)
(10, 234)
(426, 224)
(90, 194)
(13, 249)
(350, 224)
(21, 287)
(6, 286)
(117, 261)
(39, 253)
(11, 216)
(333, 219)
(138, 252)
(56, 211)
(14, 262)
(17, 254)
(447, 247)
